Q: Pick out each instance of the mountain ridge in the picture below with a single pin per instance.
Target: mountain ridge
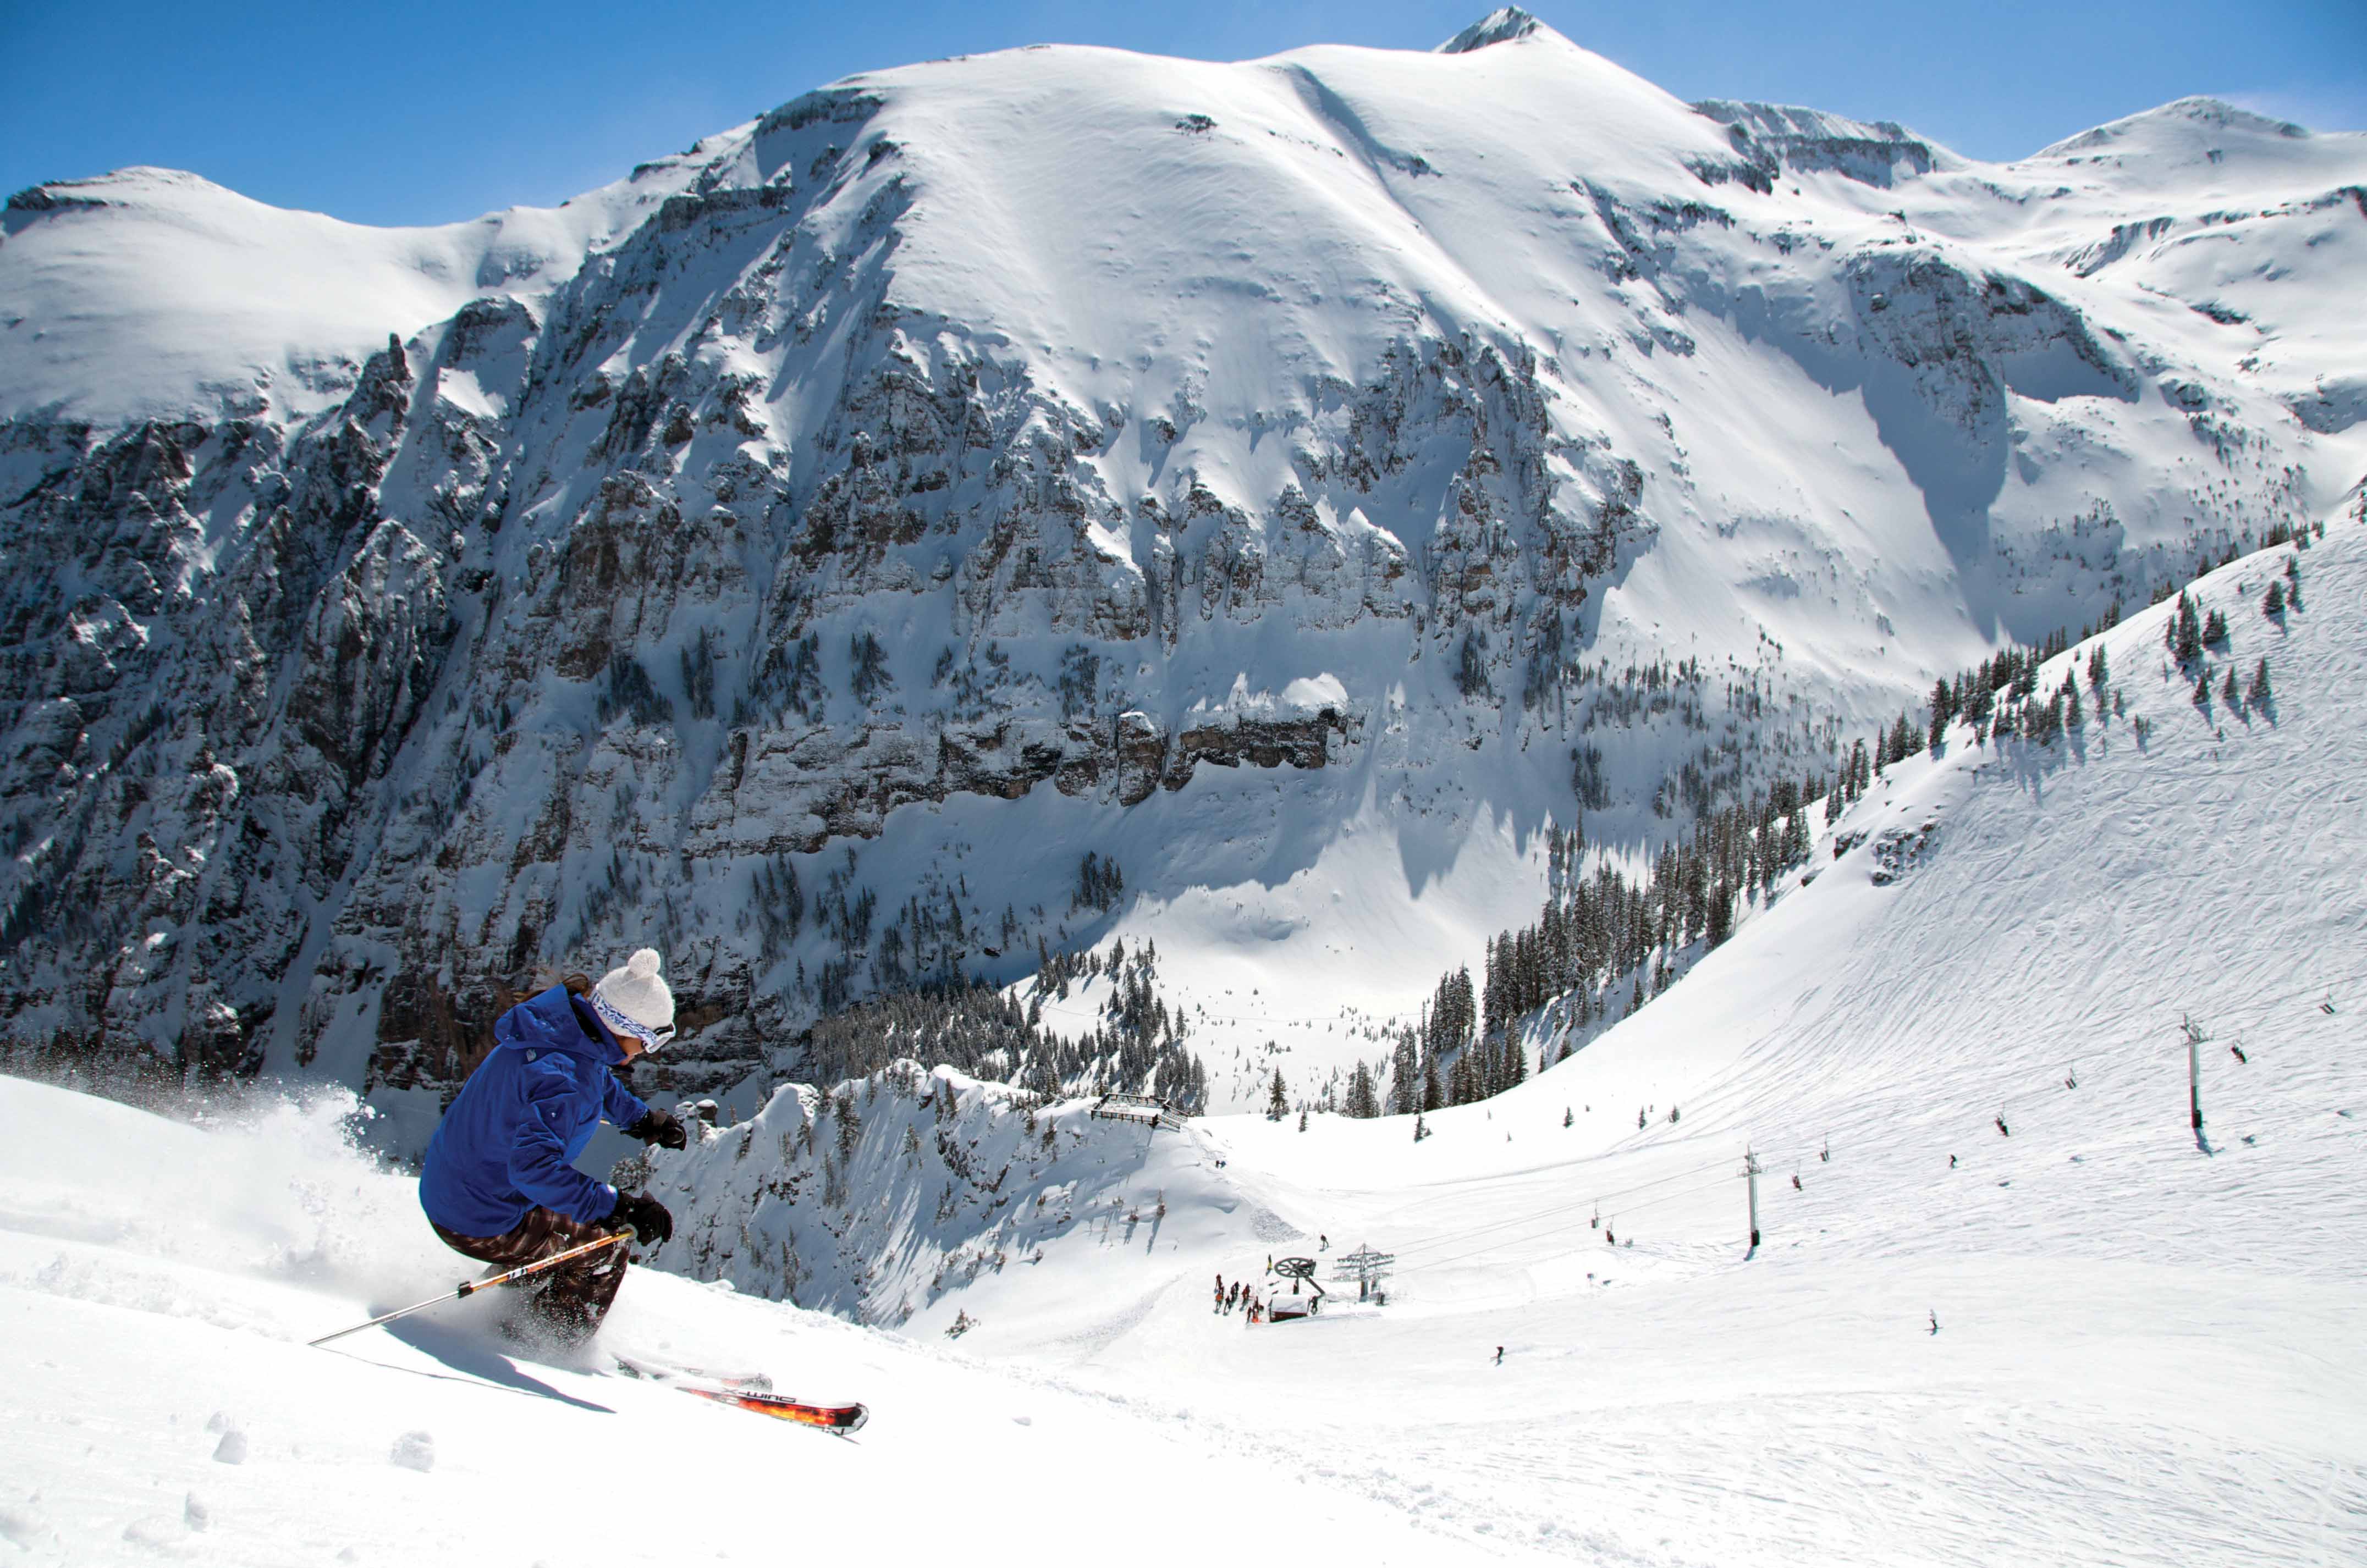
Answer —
(885, 458)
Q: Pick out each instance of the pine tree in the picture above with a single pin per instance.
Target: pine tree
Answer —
(2214, 628)
(1302, 1119)
(2227, 693)
(2186, 631)
(2261, 696)
(2274, 605)
(1405, 1076)
(2097, 674)
(850, 1126)
(1277, 1104)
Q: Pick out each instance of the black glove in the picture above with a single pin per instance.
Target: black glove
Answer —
(658, 1127)
(644, 1216)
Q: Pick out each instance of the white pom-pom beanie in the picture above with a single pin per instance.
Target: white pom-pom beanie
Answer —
(633, 999)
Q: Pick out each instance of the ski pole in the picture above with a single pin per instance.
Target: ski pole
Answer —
(471, 1287)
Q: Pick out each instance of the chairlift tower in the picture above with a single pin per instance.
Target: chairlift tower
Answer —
(1750, 1172)
(1365, 1266)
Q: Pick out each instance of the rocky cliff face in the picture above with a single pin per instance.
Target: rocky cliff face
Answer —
(891, 458)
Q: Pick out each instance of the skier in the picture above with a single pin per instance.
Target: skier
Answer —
(1322, 1241)
(1796, 1181)
(500, 1184)
(2003, 1131)
(1499, 1355)
(1952, 1161)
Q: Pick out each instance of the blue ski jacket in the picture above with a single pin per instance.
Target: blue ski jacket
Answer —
(509, 1141)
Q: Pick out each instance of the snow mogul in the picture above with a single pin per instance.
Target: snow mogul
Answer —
(499, 1183)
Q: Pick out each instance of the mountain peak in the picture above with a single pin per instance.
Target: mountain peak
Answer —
(2177, 118)
(1500, 25)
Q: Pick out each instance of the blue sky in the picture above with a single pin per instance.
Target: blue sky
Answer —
(434, 111)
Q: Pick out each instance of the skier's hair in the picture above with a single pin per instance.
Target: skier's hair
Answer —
(546, 977)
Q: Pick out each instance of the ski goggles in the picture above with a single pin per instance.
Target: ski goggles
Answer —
(615, 1019)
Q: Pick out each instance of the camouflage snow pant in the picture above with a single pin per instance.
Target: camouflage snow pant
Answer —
(569, 1301)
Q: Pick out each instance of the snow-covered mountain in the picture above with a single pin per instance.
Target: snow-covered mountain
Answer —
(1295, 465)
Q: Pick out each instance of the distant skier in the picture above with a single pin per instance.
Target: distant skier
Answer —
(1322, 1241)
(1952, 1161)
(2240, 1054)
(1935, 1323)
(500, 1184)
(1796, 1181)
(1499, 1355)
(2003, 1131)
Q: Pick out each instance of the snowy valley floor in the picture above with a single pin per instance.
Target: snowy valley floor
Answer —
(2147, 1345)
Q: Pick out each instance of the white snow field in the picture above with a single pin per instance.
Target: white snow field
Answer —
(2147, 1346)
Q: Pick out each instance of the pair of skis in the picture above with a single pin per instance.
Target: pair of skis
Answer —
(752, 1394)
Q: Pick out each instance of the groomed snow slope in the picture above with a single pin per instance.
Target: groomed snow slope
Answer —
(2147, 1346)
(157, 1282)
